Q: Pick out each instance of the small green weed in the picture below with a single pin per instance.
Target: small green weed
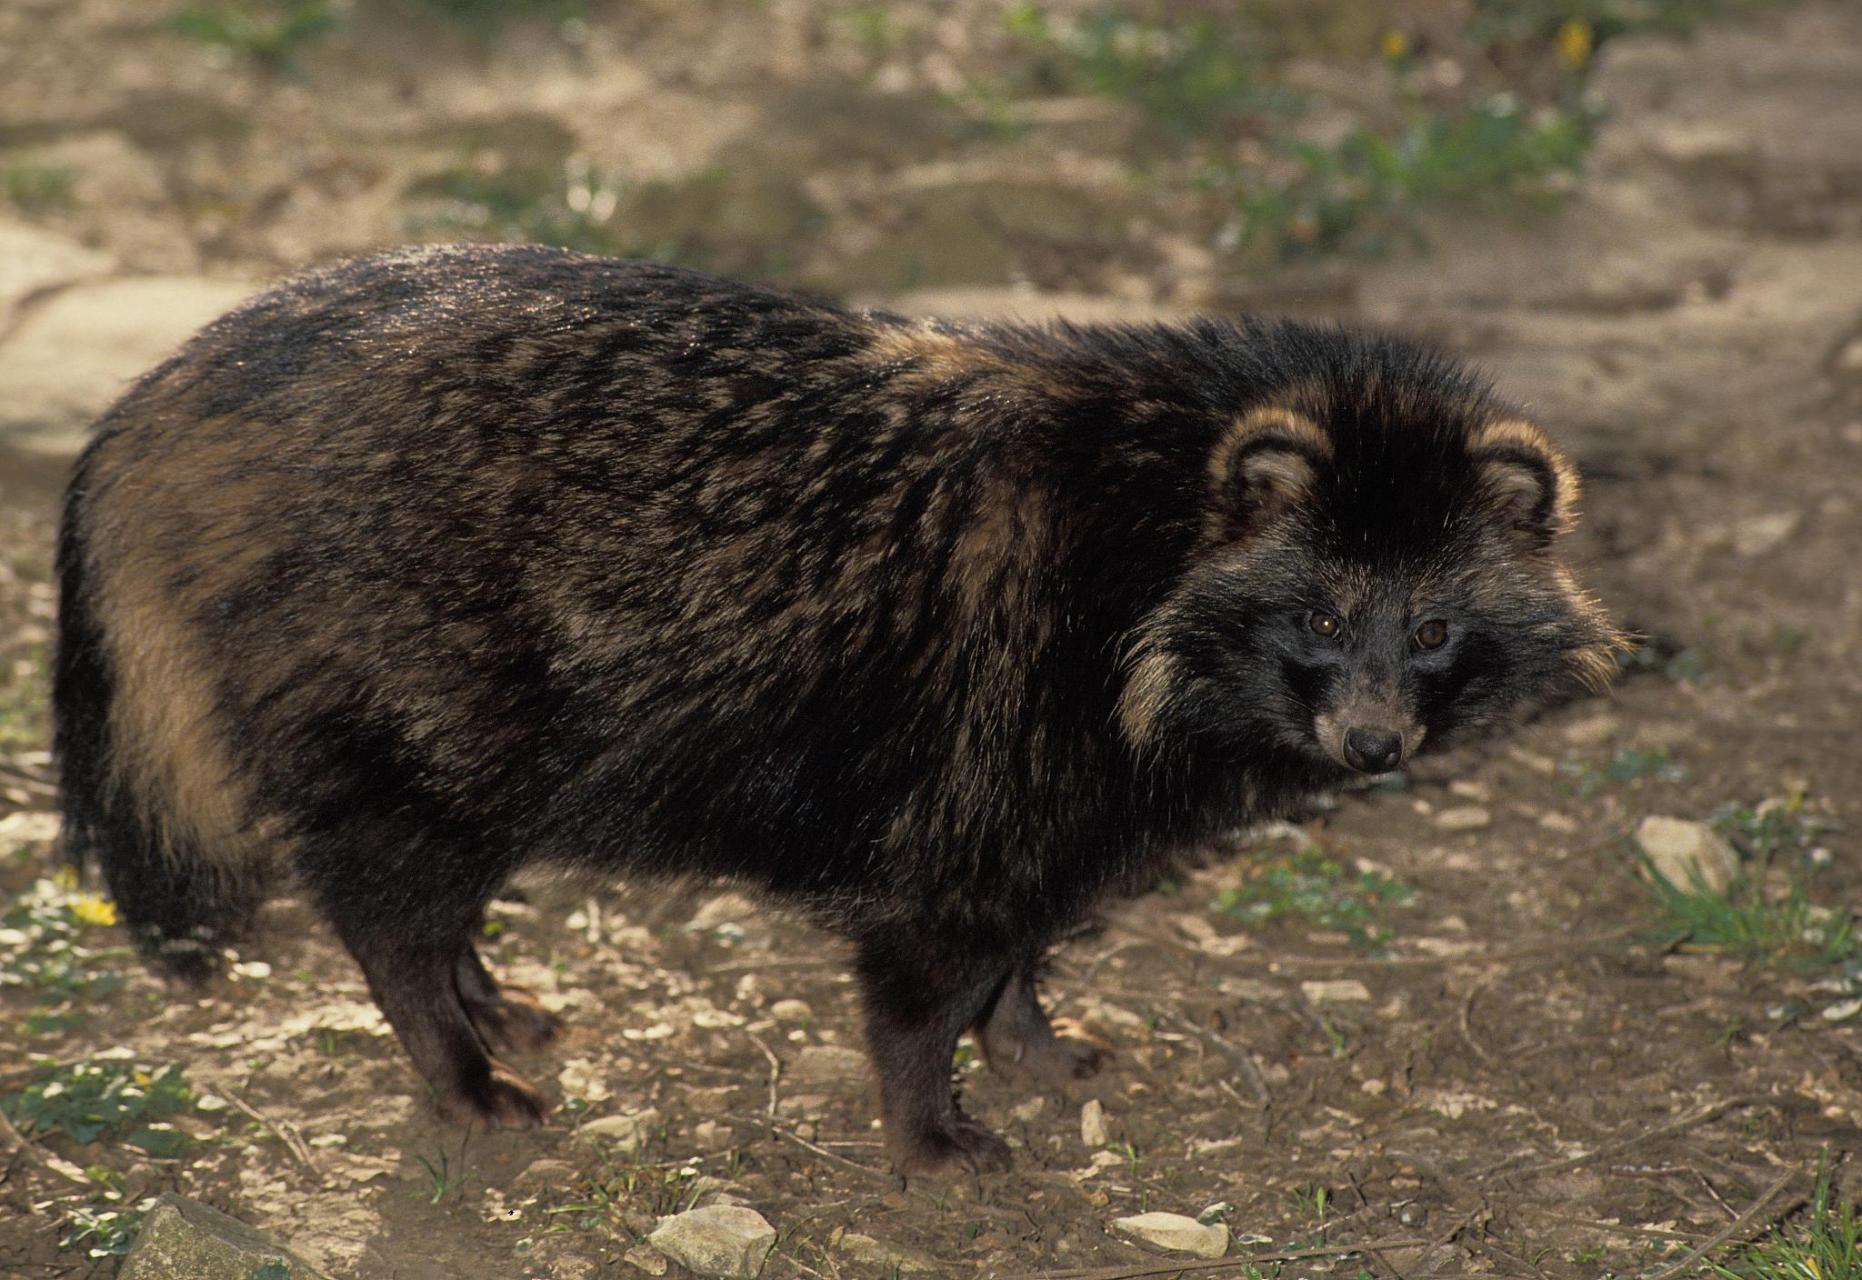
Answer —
(106, 1097)
(724, 220)
(1786, 827)
(483, 15)
(601, 1203)
(1827, 1245)
(43, 948)
(1758, 919)
(269, 32)
(105, 1227)
(874, 27)
(439, 1177)
(1188, 77)
(1364, 193)
(1312, 885)
(1628, 765)
(1683, 664)
(36, 189)
(1313, 1200)
(1525, 21)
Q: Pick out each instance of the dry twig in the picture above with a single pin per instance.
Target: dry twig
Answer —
(1164, 1268)
(1609, 1149)
(1744, 1222)
(284, 1132)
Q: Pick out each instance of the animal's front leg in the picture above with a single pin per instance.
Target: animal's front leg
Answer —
(921, 991)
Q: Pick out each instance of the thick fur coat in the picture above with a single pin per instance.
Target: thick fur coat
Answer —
(430, 566)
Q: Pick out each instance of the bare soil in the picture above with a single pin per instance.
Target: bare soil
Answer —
(1520, 1081)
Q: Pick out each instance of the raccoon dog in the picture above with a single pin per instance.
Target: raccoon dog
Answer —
(431, 566)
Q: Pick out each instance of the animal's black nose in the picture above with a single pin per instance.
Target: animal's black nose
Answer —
(1373, 750)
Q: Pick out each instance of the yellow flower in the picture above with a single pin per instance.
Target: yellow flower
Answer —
(1575, 42)
(1394, 45)
(91, 909)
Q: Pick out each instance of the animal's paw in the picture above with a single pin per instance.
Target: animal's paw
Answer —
(962, 1147)
(1070, 1053)
(503, 1100)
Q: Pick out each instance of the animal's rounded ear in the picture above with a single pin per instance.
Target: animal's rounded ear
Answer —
(1267, 461)
(1525, 483)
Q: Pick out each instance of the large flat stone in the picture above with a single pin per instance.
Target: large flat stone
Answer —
(70, 356)
(33, 261)
(181, 1239)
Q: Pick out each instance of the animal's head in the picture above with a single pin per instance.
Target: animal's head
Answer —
(1378, 568)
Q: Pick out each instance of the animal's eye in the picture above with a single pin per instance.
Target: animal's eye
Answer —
(1432, 634)
(1326, 624)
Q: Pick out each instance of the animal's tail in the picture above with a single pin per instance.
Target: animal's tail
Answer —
(177, 904)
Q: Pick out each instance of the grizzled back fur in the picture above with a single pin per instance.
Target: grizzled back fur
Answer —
(429, 566)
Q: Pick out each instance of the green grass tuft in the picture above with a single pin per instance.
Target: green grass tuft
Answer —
(1187, 77)
(1365, 193)
(36, 189)
(269, 32)
(484, 15)
(1311, 885)
(1766, 917)
(1825, 1245)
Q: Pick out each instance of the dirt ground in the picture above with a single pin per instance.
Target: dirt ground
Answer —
(1500, 1072)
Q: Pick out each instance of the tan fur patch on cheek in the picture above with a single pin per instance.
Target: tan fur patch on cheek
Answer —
(1151, 677)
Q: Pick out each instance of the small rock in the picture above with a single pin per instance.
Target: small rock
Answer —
(717, 1240)
(1849, 359)
(33, 263)
(791, 1011)
(1592, 730)
(1467, 817)
(74, 353)
(1759, 534)
(890, 1259)
(646, 1259)
(628, 1131)
(1031, 1110)
(1682, 851)
(1336, 991)
(1093, 1124)
(548, 1172)
(182, 1239)
(1468, 789)
(711, 1136)
(1552, 820)
(820, 1064)
(1175, 1232)
(28, 828)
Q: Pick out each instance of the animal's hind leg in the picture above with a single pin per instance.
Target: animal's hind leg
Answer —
(414, 981)
(1020, 1043)
(509, 1019)
(409, 938)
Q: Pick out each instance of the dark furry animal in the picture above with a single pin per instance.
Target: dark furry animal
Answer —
(434, 565)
